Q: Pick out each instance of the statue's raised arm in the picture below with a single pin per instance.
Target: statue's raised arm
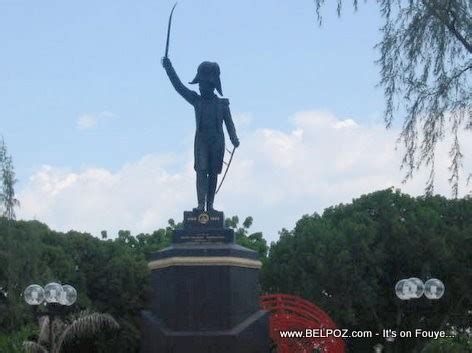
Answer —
(211, 112)
(189, 95)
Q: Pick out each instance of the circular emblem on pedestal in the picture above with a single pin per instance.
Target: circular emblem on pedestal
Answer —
(203, 218)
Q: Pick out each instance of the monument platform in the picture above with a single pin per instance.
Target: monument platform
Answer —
(203, 227)
(205, 293)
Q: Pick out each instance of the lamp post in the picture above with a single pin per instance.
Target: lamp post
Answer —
(414, 288)
(55, 297)
(378, 348)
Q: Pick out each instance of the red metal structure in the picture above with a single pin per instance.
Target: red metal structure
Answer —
(292, 313)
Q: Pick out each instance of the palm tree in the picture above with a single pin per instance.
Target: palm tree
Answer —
(53, 339)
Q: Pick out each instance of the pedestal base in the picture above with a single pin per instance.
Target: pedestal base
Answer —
(205, 293)
(251, 336)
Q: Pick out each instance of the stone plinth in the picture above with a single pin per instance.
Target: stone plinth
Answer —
(205, 293)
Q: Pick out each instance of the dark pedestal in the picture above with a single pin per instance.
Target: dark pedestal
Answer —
(205, 293)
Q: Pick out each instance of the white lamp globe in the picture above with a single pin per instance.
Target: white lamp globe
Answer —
(69, 295)
(34, 294)
(403, 289)
(417, 287)
(434, 289)
(53, 292)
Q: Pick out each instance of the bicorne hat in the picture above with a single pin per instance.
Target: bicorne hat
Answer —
(209, 71)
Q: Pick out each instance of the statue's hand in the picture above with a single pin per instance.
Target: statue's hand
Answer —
(235, 142)
(166, 63)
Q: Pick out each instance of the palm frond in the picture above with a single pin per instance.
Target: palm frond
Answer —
(43, 336)
(33, 347)
(57, 325)
(87, 325)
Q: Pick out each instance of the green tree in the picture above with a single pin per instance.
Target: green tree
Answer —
(348, 259)
(13, 342)
(157, 240)
(109, 276)
(426, 64)
(254, 241)
(56, 336)
(7, 173)
(459, 344)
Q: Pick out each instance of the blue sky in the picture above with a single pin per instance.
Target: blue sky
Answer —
(64, 59)
(83, 91)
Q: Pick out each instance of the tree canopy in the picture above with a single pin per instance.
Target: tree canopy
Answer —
(69, 332)
(348, 260)
(425, 67)
(109, 277)
(8, 181)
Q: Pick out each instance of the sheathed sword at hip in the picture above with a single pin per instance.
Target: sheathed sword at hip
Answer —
(227, 168)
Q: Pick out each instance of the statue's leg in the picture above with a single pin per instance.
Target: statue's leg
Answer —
(202, 189)
(212, 181)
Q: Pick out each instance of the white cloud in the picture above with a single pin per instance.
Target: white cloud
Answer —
(90, 120)
(276, 177)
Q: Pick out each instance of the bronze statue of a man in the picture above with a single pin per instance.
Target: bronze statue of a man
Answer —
(210, 113)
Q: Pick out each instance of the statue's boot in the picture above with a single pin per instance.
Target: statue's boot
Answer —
(210, 207)
(199, 208)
